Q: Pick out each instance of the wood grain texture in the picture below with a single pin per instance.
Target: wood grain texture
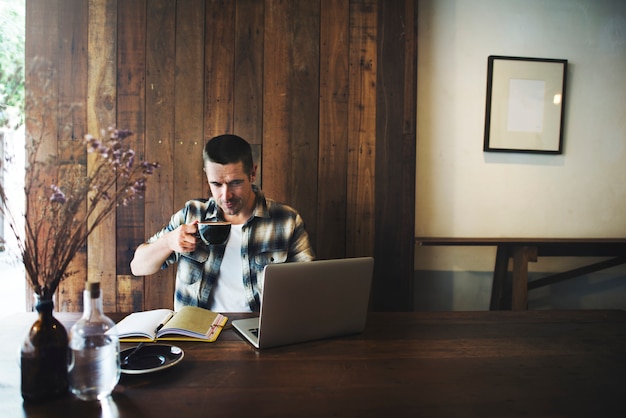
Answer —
(324, 90)
(160, 143)
(101, 113)
(395, 155)
(248, 71)
(219, 67)
(40, 48)
(303, 132)
(362, 128)
(72, 118)
(248, 78)
(418, 364)
(276, 142)
(188, 103)
(130, 291)
(131, 114)
(290, 107)
(333, 130)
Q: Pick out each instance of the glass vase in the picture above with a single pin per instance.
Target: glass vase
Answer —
(44, 356)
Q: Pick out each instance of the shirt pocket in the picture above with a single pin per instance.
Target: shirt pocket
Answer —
(269, 257)
(191, 266)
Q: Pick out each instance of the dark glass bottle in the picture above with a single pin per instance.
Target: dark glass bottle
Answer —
(44, 356)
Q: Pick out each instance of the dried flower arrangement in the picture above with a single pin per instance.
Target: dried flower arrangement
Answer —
(65, 200)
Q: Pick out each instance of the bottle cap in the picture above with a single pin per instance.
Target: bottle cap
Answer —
(93, 288)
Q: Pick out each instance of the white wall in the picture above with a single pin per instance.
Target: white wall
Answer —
(462, 191)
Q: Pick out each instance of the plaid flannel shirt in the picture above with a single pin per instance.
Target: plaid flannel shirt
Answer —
(275, 233)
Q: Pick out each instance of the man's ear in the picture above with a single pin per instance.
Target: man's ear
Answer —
(253, 174)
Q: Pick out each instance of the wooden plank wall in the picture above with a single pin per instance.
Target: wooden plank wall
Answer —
(325, 90)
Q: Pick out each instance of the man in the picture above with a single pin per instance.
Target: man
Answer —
(226, 278)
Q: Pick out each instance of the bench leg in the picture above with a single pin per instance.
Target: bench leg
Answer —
(501, 287)
(521, 257)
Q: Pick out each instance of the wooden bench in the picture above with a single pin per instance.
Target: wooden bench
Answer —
(511, 291)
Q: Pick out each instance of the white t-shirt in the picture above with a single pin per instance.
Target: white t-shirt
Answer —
(228, 292)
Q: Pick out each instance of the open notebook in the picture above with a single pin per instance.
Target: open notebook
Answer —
(310, 300)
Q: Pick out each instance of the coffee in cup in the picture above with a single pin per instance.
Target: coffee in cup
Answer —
(213, 232)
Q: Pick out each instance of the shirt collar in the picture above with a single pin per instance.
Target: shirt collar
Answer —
(260, 210)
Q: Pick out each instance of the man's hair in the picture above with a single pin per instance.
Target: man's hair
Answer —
(229, 149)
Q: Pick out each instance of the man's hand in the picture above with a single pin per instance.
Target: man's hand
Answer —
(149, 258)
(183, 239)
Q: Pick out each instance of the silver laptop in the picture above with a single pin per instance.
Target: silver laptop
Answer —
(310, 301)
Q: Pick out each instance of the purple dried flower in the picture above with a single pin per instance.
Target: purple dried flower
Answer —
(113, 179)
(118, 134)
(148, 168)
(123, 133)
(116, 158)
(57, 195)
(140, 186)
(130, 158)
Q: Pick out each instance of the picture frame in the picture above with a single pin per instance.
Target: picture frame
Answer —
(525, 104)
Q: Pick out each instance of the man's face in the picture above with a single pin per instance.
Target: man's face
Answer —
(231, 187)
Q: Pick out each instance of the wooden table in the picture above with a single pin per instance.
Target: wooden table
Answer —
(469, 364)
(512, 292)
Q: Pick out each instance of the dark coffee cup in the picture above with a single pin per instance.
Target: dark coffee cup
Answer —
(213, 233)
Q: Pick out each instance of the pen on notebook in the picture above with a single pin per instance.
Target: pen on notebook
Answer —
(162, 324)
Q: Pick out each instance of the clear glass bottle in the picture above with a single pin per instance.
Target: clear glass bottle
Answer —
(94, 368)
